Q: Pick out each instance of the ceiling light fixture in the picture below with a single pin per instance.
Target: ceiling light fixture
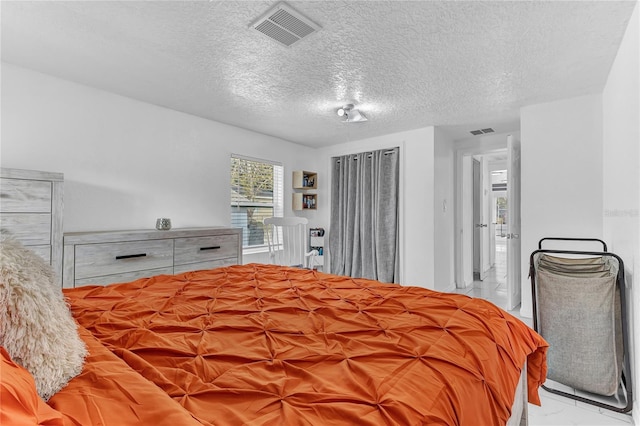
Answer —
(351, 114)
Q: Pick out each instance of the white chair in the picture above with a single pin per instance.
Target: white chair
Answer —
(287, 239)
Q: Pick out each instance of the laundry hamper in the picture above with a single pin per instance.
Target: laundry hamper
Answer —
(579, 307)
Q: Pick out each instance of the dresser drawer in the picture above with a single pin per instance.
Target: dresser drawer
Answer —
(31, 229)
(123, 278)
(210, 264)
(207, 248)
(95, 260)
(25, 196)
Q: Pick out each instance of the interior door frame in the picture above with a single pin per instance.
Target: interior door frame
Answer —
(467, 148)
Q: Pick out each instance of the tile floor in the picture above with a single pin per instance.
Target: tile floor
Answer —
(556, 410)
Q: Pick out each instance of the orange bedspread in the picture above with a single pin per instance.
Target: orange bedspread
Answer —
(108, 392)
(266, 345)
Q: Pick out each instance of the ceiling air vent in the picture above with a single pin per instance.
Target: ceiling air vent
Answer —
(481, 131)
(285, 25)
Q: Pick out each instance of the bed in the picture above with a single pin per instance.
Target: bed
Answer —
(270, 345)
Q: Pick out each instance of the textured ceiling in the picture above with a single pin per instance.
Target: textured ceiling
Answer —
(405, 64)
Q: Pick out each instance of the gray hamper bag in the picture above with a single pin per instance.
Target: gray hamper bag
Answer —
(579, 309)
(580, 319)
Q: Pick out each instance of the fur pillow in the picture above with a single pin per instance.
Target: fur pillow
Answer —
(36, 326)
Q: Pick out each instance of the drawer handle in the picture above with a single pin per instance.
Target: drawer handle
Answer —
(209, 248)
(131, 256)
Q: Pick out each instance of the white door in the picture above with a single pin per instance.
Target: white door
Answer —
(485, 248)
(480, 221)
(513, 220)
(477, 221)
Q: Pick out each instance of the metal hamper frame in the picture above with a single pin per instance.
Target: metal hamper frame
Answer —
(625, 379)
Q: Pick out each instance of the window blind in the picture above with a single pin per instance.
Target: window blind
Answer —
(256, 193)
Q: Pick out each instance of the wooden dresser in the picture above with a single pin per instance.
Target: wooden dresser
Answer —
(121, 256)
(31, 212)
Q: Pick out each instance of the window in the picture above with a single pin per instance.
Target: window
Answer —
(256, 193)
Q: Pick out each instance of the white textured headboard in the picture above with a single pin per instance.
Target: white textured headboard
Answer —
(31, 212)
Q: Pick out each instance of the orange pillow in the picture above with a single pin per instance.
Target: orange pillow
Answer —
(21, 404)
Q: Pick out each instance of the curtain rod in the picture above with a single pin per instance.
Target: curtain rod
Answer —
(369, 154)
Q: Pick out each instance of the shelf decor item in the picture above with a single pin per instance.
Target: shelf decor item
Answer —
(304, 201)
(163, 224)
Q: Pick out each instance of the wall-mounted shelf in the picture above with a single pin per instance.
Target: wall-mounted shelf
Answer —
(304, 180)
(304, 201)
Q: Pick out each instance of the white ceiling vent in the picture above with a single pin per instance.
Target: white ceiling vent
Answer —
(285, 25)
(481, 131)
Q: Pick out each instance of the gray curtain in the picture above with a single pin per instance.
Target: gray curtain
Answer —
(363, 237)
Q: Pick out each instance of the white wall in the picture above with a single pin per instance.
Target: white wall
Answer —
(416, 198)
(127, 162)
(444, 273)
(621, 172)
(561, 175)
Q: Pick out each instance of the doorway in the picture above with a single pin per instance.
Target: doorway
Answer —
(499, 224)
(490, 227)
(486, 278)
(494, 285)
